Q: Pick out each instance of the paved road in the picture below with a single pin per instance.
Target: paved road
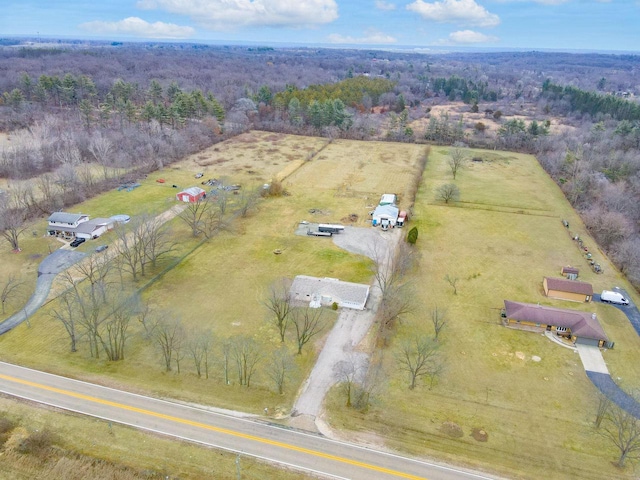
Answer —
(53, 264)
(303, 451)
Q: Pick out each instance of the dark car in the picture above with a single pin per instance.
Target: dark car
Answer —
(77, 242)
(102, 248)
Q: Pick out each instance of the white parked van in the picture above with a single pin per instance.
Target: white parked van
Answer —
(608, 296)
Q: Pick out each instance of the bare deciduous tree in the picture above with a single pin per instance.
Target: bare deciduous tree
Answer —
(457, 159)
(279, 368)
(279, 305)
(453, 281)
(604, 404)
(199, 344)
(448, 192)
(66, 313)
(417, 357)
(168, 336)
(12, 223)
(439, 320)
(622, 428)
(194, 215)
(307, 323)
(10, 289)
(246, 353)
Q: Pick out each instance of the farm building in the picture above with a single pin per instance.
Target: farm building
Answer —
(581, 327)
(325, 291)
(65, 224)
(570, 272)
(94, 228)
(567, 289)
(385, 212)
(388, 199)
(191, 194)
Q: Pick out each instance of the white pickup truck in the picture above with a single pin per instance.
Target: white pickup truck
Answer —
(608, 296)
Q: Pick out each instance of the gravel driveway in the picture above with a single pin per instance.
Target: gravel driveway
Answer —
(351, 326)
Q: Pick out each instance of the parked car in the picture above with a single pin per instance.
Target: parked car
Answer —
(613, 297)
(77, 242)
(199, 175)
(102, 248)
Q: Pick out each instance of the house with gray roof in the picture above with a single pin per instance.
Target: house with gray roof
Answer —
(325, 291)
(63, 223)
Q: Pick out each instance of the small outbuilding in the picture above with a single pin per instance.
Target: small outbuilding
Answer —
(385, 212)
(191, 195)
(564, 289)
(581, 327)
(325, 291)
(388, 199)
(570, 272)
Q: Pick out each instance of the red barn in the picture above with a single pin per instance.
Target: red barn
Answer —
(191, 194)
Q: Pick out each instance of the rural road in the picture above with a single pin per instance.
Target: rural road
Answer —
(307, 452)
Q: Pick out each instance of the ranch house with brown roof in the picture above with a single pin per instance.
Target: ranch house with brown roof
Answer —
(581, 327)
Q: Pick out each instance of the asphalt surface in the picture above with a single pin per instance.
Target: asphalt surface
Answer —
(602, 380)
(307, 452)
(53, 264)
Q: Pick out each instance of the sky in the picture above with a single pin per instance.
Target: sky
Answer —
(591, 25)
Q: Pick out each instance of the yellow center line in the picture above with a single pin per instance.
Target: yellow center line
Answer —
(204, 426)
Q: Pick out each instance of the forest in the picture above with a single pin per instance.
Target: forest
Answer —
(138, 107)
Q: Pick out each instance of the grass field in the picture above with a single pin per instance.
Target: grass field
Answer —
(499, 241)
(503, 236)
(221, 284)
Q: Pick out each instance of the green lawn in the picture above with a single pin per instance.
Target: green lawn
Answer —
(499, 241)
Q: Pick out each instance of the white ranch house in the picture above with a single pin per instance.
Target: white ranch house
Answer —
(325, 291)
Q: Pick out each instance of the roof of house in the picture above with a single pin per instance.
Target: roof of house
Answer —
(570, 286)
(194, 191)
(345, 291)
(63, 217)
(582, 324)
(91, 225)
(390, 210)
(570, 270)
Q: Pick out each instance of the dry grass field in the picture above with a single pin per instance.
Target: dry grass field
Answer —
(499, 241)
(503, 236)
(221, 285)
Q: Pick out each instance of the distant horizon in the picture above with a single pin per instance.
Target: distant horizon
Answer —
(497, 25)
(418, 49)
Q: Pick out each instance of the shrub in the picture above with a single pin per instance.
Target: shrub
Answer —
(412, 236)
(334, 306)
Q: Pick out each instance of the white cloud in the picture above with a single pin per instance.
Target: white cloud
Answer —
(370, 37)
(230, 14)
(386, 6)
(140, 28)
(464, 12)
(467, 37)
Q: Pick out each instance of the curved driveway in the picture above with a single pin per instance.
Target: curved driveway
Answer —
(53, 264)
(600, 377)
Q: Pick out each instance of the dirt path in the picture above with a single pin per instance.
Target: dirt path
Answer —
(343, 345)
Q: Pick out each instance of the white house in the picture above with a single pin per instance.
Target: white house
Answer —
(386, 212)
(325, 291)
(62, 223)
